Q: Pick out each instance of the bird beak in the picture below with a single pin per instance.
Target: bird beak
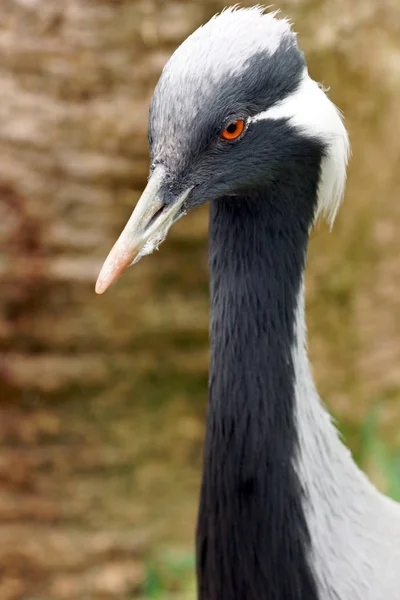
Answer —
(146, 229)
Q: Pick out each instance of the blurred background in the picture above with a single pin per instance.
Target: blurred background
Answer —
(102, 399)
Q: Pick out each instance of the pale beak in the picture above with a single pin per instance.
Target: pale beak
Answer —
(149, 221)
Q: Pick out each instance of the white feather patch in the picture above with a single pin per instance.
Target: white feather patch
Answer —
(311, 112)
(228, 40)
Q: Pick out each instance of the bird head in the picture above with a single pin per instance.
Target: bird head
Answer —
(234, 109)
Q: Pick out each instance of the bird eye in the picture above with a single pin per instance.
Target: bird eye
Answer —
(233, 130)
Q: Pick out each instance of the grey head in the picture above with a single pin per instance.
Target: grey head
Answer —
(243, 66)
(236, 66)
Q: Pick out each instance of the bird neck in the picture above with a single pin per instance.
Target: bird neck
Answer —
(348, 520)
(252, 536)
(280, 492)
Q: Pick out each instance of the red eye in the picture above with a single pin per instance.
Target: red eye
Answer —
(233, 130)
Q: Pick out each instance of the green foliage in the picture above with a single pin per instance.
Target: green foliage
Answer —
(170, 578)
(373, 450)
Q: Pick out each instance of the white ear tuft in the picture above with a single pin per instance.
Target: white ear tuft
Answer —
(311, 112)
(333, 169)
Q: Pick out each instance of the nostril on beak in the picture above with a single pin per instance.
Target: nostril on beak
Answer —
(155, 216)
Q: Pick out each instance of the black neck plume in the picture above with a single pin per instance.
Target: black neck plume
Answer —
(252, 537)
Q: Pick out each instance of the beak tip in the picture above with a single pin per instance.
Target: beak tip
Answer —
(101, 284)
(99, 288)
(115, 264)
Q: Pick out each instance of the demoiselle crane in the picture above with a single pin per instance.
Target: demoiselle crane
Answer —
(236, 120)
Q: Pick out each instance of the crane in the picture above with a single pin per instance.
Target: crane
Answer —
(236, 121)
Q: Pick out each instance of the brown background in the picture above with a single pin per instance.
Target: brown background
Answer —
(102, 399)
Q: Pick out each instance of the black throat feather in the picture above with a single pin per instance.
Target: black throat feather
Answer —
(252, 536)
